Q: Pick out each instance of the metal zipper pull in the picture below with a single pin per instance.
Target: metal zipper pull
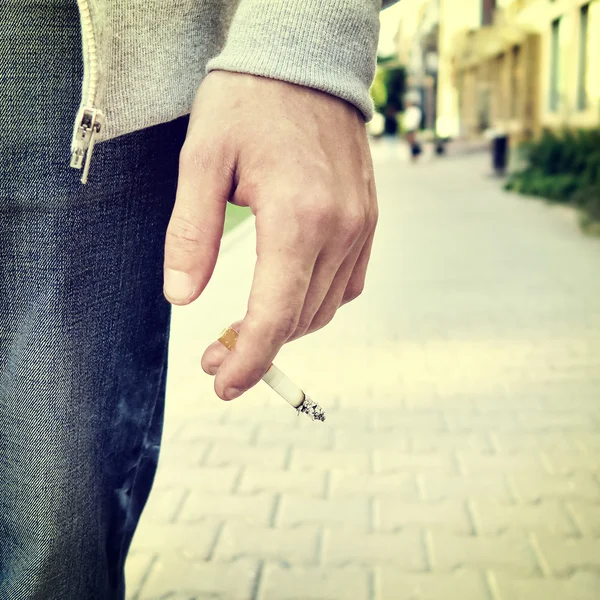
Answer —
(84, 138)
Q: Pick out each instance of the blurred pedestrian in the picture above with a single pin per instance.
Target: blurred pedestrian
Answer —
(277, 124)
(411, 122)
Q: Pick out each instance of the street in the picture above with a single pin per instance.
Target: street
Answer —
(460, 458)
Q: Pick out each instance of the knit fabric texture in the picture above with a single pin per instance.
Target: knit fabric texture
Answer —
(152, 56)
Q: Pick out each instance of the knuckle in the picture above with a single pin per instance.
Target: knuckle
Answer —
(353, 290)
(196, 157)
(354, 223)
(317, 213)
(182, 231)
(285, 325)
(320, 321)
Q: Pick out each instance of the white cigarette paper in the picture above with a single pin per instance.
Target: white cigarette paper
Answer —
(281, 383)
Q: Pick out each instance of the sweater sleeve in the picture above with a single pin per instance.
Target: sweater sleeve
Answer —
(329, 45)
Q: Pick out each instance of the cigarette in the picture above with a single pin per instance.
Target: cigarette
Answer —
(281, 383)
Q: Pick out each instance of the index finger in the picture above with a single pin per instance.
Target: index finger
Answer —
(284, 266)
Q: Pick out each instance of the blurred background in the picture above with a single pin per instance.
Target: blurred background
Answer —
(460, 458)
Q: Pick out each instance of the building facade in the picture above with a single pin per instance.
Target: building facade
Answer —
(524, 66)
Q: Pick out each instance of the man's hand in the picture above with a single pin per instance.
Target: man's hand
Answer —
(299, 158)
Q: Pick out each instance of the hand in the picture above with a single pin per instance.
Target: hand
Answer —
(300, 159)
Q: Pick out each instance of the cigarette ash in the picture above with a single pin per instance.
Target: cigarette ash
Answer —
(312, 409)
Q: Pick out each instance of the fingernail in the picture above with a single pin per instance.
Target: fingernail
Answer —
(178, 286)
(212, 369)
(232, 393)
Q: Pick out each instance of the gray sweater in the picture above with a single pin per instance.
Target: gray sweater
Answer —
(144, 59)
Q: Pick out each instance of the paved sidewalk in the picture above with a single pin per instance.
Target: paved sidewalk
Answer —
(461, 455)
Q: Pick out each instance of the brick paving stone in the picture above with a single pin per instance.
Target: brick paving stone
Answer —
(172, 576)
(164, 503)
(228, 453)
(395, 461)
(405, 550)
(305, 483)
(394, 441)
(471, 421)
(572, 463)
(198, 430)
(292, 545)
(508, 552)
(489, 486)
(318, 437)
(408, 421)
(587, 516)
(251, 508)
(401, 486)
(582, 586)
(474, 463)
(555, 441)
(535, 485)
(460, 585)
(492, 517)
(207, 479)
(137, 567)
(351, 513)
(306, 459)
(448, 515)
(564, 556)
(183, 454)
(192, 540)
(314, 583)
(423, 442)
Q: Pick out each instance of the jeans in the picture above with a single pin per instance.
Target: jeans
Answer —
(83, 321)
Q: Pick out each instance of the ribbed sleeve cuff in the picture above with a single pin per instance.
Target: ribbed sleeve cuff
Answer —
(329, 45)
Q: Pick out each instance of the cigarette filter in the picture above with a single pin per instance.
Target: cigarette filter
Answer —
(281, 383)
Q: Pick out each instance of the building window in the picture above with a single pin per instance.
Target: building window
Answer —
(554, 65)
(487, 11)
(515, 83)
(588, 81)
(583, 58)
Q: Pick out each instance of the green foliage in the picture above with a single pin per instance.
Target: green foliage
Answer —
(564, 168)
(389, 87)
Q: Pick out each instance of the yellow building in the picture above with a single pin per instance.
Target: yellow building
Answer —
(518, 66)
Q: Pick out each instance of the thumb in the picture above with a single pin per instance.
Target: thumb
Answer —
(196, 226)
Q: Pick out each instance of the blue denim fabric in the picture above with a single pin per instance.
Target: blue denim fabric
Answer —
(83, 322)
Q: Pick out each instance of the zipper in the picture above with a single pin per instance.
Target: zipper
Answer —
(89, 120)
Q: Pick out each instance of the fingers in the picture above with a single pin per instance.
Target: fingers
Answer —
(196, 226)
(286, 258)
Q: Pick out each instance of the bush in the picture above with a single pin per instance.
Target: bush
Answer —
(565, 168)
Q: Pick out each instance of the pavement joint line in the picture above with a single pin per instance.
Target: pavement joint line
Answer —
(258, 579)
(373, 581)
(573, 518)
(539, 555)
(179, 507)
(492, 586)
(513, 489)
(458, 463)
(322, 538)
(144, 578)
(287, 460)
(373, 518)
(547, 463)
(275, 512)
(471, 513)
(427, 542)
(210, 553)
(327, 485)
(235, 488)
